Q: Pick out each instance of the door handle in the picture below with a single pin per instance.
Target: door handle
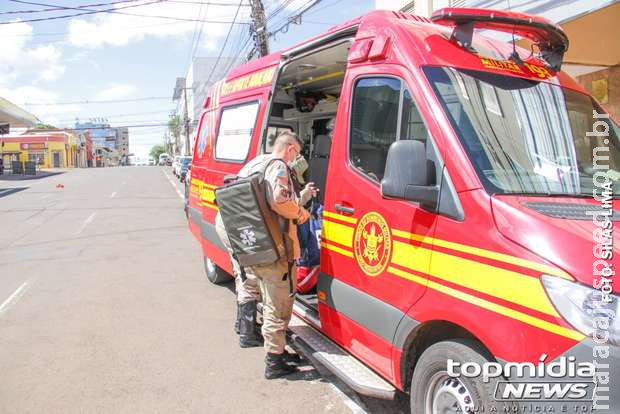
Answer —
(344, 209)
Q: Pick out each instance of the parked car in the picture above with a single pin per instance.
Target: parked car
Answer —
(178, 167)
(457, 187)
(184, 165)
(163, 159)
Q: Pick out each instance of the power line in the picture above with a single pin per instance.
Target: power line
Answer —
(197, 35)
(208, 3)
(279, 8)
(149, 98)
(224, 45)
(66, 16)
(294, 18)
(112, 11)
(122, 126)
(325, 7)
(113, 117)
(58, 8)
(91, 31)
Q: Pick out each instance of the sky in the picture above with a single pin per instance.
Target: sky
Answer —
(59, 68)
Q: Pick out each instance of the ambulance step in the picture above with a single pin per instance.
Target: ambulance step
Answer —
(351, 371)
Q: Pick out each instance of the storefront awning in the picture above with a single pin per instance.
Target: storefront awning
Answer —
(15, 116)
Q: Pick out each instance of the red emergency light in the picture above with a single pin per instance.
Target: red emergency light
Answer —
(549, 37)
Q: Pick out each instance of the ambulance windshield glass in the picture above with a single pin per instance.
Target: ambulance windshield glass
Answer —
(529, 137)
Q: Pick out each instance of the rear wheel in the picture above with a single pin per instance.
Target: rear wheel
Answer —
(433, 391)
(215, 274)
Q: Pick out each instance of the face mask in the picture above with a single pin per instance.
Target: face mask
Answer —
(299, 165)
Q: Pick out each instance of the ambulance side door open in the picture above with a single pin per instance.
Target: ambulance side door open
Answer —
(374, 261)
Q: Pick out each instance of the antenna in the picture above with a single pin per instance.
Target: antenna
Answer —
(514, 55)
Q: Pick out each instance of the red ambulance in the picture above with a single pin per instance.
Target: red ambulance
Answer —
(459, 223)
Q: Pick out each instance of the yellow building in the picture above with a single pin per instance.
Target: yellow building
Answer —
(49, 149)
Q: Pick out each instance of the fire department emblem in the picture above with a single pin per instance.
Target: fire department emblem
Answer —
(372, 243)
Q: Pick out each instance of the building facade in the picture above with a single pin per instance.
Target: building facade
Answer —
(102, 134)
(190, 93)
(593, 56)
(122, 144)
(48, 149)
(110, 144)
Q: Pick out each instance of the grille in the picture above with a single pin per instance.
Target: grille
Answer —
(567, 210)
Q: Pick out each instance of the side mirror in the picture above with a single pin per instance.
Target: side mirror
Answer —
(409, 175)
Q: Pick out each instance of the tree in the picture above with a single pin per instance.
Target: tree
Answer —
(44, 126)
(174, 125)
(156, 151)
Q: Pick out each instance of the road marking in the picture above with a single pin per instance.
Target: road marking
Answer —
(15, 296)
(113, 195)
(45, 196)
(174, 185)
(85, 223)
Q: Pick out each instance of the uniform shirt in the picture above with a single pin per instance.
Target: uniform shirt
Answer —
(281, 195)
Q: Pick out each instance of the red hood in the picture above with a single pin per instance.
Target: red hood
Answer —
(567, 243)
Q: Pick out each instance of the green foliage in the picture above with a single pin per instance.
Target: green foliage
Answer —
(156, 151)
(174, 125)
(44, 126)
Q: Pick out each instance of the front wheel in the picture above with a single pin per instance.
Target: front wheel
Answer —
(433, 391)
(215, 274)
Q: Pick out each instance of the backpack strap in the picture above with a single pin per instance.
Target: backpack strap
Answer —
(287, 247)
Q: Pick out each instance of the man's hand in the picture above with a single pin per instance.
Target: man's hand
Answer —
(312, 188)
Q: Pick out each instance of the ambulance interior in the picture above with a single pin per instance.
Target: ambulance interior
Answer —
(305, 101)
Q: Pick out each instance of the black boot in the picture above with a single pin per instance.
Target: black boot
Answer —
(276, 367)
(237, 321)
(292, 358)
(247, 326)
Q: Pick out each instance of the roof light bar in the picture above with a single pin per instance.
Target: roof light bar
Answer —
(549, 37)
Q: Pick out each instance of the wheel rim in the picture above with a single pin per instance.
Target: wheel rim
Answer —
(210, 266)
(448, 395)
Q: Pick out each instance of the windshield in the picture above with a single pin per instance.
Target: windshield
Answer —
(528, 137)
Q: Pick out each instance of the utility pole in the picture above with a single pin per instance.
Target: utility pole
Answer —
(259, 28)
(186, 122)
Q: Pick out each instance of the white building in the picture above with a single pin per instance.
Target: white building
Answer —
(202, 73)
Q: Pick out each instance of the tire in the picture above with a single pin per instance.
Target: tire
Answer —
(433, 391)
(215, 274)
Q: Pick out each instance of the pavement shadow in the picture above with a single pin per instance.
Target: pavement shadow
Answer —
(22, 177)
(312, 370)
(8, 191)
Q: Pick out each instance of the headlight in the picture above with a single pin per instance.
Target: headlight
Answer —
(580, 305)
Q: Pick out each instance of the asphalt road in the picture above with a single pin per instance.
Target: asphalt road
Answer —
(104, 307)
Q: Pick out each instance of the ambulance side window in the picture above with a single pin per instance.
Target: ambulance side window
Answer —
(374, 123)
(203, 134)
(235, 130)
(411, 124)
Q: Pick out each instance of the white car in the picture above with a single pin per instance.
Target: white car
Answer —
(175, 163)
(163, 159)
